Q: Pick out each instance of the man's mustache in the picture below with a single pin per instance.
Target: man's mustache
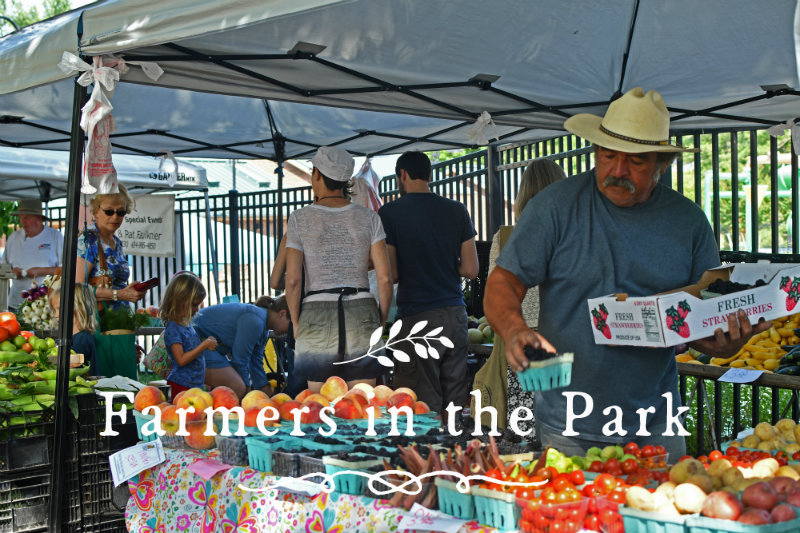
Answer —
(616, 181)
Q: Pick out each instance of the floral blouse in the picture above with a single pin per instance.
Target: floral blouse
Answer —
(116, 260)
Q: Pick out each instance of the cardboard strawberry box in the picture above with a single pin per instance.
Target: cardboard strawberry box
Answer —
(675, 318)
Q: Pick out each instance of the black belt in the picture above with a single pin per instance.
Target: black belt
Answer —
(342, 292)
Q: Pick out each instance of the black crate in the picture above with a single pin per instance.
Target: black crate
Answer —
(25, 500)
(116, 525)
(92, 422)
(102, 502)
(26, 440)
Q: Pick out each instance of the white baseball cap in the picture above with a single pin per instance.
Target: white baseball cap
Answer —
(334, 163)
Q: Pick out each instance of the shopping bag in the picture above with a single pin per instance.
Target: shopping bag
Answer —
(116, 354)
(158, 360)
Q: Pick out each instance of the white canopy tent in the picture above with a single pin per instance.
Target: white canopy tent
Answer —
(30, 173)
(718, 64)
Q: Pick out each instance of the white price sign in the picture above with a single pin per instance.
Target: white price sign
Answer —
(740, 375)
(128, 462)
(424, 519)
(150, 229)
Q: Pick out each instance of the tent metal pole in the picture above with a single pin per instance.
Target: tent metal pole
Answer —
(213, 246)
(494, 191)
(233, 203)
(58, 476)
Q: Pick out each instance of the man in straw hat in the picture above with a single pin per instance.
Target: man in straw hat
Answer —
(34, 250)
(613, 229)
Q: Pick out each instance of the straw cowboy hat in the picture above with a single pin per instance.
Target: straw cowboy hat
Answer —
(635, 123)
(29, 207)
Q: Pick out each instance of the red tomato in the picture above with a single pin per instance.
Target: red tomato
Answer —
(605, 483)
(630, 465)
(571, 526)
(563, 497)
(607, 516)
(611, 464)
(561, 482)
(6, 316)
(524, 493)
(13, 327)
(796, 456)
(27, 347)
(631, 448)
(596, 466)
(592, 522)
(525, 525)
(616, 496)
(733, 451)
(703, 459)
(3, 334)
(660, 450)
(648, 451)
(590, 490)
(26, 334)
(576, 477)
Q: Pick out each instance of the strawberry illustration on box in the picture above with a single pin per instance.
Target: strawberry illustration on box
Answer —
(791, 286)
(676, 319)
(599, 316)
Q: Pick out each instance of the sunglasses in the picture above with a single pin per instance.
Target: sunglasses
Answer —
(119, 212)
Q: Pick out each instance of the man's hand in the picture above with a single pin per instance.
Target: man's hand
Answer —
(516, 343)
(727, 344)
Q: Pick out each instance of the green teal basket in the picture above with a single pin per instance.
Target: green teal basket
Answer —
(259, 453)
(141, 420)
(702, 524)
(496, 509)
(549, 374)
(649, 522)
(348, 483)
(455, 503)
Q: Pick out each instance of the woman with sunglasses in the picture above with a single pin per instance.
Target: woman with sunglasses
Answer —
(111, 281)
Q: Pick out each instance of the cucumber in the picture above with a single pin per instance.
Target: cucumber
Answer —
(704, 358)
(791, 358)
(793, 370)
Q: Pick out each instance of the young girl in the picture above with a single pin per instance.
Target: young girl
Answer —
(84, 322)
(181, 301)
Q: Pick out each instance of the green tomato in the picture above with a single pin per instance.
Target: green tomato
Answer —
(39, 345)
(32, 339)
(19, 340)
(51, 342)
(8, 346)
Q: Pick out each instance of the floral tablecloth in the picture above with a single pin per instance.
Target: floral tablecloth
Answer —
(171, 498)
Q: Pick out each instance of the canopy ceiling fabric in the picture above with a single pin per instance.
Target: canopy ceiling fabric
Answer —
(27, 173)
(398, 74)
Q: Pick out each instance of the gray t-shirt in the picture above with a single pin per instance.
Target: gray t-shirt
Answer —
(335, 242)
(575, 244)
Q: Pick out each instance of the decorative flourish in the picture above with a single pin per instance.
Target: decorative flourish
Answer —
(422, 350)
(385, 487)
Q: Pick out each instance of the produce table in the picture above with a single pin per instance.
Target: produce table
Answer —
(172, 498)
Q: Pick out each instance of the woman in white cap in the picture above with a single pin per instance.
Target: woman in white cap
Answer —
(34, 251)
(336, 242)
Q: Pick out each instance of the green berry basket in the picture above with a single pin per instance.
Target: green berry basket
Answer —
(552, 373)
(141, 420)
(259, 453)
(496, 509)
(451, 501)
(636, 520)
(349, 483)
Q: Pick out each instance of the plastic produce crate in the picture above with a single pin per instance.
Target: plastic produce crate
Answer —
(637, 521)
(232, 450)
(348, 483)
(27, 440)
(702, 524)
(308, 464)
(141, 420)
(99, 495)
(25, 500)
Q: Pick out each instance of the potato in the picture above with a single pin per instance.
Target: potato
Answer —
(765, 431)
(791, 448)
(667, 490)
(718, 467)
(731, 476)
(702, 481)
(788, 436)
(716, 482)
(682, 471)
(785, 424)
(766, 445)
(765, 468)
(796, 432)
(736, 443)
(668, 509)
(640, 498)
(751, 441)
(689, 498)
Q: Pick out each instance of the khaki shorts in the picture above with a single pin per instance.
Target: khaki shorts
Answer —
(317, 341)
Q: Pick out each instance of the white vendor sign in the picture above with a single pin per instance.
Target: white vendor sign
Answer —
(150, 229)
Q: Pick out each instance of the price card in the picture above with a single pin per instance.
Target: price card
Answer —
(128, 462)
(740, 375)
(208, 468)
(424, 519)
(296, 486)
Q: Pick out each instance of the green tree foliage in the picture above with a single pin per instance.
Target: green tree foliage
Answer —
(14, 10)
